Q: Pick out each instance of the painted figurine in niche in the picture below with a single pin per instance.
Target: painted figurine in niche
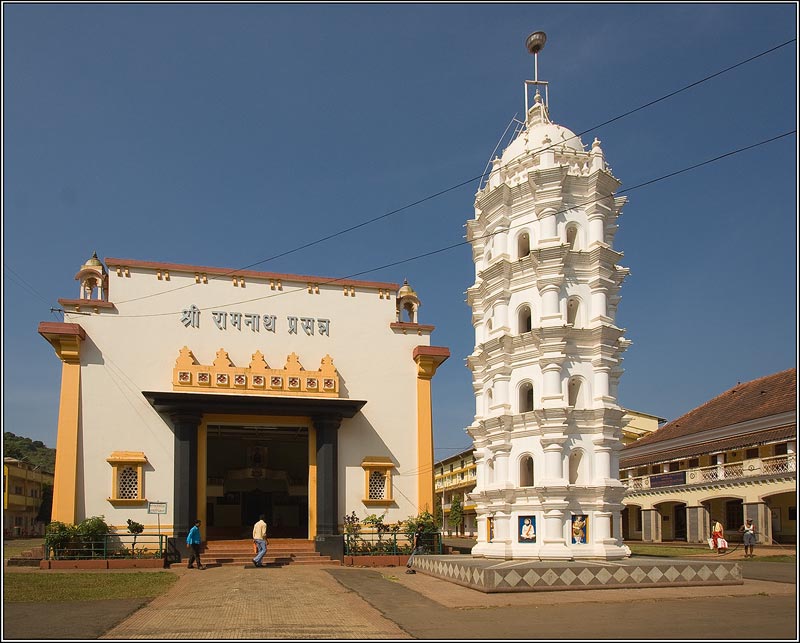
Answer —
(579, 530)
(527, 529)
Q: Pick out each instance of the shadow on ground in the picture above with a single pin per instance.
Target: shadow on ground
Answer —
(66, 620)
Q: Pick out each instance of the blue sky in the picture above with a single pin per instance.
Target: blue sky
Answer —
(224, 134)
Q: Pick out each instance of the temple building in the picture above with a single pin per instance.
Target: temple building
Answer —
(218, 394)
(547, 358)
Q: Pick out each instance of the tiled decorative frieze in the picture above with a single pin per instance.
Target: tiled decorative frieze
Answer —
(257, 378)
(489, 576)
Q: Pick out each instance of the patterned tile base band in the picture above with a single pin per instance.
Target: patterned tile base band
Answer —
(489, 575)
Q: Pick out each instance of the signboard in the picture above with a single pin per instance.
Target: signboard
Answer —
(157, 507)
(668, 479)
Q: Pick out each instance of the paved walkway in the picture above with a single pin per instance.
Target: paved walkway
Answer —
(360, 603)
(386, 603)
(236, 603)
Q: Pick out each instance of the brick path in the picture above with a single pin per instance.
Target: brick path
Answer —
(237, 603)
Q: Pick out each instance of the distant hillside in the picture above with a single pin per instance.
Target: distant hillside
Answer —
(32, 451)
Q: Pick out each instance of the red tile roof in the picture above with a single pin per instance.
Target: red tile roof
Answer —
(759, 398)
(756, 438)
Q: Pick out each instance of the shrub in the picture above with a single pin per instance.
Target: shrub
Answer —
(70, 541)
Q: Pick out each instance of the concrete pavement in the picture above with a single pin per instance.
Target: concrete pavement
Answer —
(362, 603)
(240, 603)
(385, 603)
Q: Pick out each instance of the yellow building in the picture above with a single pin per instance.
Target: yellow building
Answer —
(455, 477)
(730, 459)
(23, 486)
(637, 425)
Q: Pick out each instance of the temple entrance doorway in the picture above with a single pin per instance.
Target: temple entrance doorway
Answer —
(254, 470)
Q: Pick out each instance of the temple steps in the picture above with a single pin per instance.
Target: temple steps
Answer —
(280, 552)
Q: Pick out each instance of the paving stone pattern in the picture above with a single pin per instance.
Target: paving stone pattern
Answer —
(238, 603)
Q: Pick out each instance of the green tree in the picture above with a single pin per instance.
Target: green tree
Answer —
(438, 516)
(31, 451)
(135, 528)
(456, 518)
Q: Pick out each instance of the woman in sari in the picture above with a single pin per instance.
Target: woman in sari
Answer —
(718, 536)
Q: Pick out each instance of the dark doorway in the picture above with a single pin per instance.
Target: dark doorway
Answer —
(680, 522)
(255, 503)
(257, 470)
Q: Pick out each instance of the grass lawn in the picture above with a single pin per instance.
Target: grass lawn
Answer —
(665, 551)
(16, 547)
(77, 586)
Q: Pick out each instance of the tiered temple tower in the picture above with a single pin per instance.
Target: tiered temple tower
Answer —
(547, 358)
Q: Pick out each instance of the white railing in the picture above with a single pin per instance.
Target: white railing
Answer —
(779, 464)
(745, 469)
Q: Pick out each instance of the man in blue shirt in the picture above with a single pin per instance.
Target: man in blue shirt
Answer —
(193, 541)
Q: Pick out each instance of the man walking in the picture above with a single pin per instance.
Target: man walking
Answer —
(260, 538)
(193, 541)
(417, 548)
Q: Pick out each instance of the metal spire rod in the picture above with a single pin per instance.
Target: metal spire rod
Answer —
(534, 44)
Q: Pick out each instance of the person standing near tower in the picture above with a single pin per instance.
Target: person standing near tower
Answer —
(260, 538)
(718, 537)
(749, 537)
(193, 541)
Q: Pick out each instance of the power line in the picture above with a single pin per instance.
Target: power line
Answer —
(486, 236)
(25, 285)
(468, 181)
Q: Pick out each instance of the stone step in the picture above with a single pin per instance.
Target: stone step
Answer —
(248, 546)
(270, 553)
(269, 556)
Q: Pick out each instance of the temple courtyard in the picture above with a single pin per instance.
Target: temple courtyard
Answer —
(231, 602)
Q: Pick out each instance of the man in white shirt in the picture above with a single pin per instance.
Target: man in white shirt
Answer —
(260, 538)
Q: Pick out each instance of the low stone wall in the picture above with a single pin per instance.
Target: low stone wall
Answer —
(375, 561)
(492, 575)
(103, 563)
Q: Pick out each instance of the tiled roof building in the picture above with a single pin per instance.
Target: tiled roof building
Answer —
(731, 458)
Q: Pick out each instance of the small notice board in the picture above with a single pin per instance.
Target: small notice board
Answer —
(157, 508)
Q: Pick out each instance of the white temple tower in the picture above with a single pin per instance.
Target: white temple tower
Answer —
(547, 358)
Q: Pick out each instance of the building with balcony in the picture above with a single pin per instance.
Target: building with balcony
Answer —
(455, 477)
(23, 486)
(730, 459)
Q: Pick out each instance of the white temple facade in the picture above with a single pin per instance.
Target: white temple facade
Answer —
(547, 357)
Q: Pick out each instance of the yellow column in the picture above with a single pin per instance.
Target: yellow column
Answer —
(66, 340)
(428, 359)
(312, 483)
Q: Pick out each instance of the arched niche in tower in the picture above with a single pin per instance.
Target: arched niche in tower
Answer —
(573, 311)
(576, 397)
(573, 236)
(524, 319)
(526, 470)
(525, 397)
(577, 467)
(523, 244)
